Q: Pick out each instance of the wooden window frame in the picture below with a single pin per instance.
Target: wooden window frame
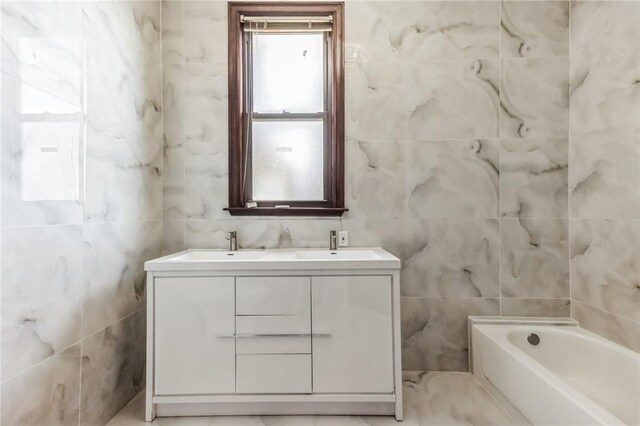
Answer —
(334, 148)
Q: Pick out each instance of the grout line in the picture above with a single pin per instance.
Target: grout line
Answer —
(53, 225)
(499, 161)
(57, 353)
(569, 156)
(183, 141)
(162, 133)
(617, 316)
(41, 362)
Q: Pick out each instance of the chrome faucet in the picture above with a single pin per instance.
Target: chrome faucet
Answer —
(233, 240)
(333, 240)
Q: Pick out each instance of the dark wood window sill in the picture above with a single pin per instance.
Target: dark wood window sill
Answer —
(288, 211)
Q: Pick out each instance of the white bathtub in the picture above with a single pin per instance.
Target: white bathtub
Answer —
(572, 377)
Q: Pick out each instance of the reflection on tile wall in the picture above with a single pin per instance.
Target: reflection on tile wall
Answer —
(457, 156)
(81, 205)
(604, 173)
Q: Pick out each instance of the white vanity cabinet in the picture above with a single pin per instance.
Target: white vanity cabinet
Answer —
(353, 339)
(245, 337)
(190, 356)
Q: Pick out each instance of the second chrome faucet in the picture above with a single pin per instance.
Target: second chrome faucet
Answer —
(233, 240)
(333, 240)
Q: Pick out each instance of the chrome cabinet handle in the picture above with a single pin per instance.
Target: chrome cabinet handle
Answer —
(245, 335)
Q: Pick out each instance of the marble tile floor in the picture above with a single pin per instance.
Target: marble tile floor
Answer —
(433, 398)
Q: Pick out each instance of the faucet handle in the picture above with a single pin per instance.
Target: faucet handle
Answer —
(231, 234)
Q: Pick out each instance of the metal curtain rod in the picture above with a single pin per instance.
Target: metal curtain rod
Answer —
(285, 19)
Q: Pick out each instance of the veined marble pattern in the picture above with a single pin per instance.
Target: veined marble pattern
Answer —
(453, 179)
(173, 141)
(172, 32)
(535, 28)
(452, 258)
(47, 394)
(429, 399)
(605, 265)
(435, 331)
(206, 102)
(82, 122)
(604, 176)
(419, 31)
(375, 179)
(311, 233)
(391, 234)
(392, 100)
(434, 399)
(289, 232)
(173, 76)
(113, 370)
(605, 64)
(535, 258)
(173, 182)
(122, 66)
(276, 233)
(124, 174)
(206, 180)
(41, 294)
(114, 281)
(518, 307)
(612, 327)
(205, 31)
(534, 96)
(251, 234)
(173, 103)
(533, 178)
(172, 236)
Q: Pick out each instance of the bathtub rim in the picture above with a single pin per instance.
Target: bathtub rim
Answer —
(535, 321)
(494, 320)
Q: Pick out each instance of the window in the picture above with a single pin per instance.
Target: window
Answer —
(286, 114)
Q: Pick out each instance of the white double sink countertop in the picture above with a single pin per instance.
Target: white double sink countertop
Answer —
(270, 259)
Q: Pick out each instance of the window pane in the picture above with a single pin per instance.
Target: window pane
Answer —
(288, 73)
(288, 160)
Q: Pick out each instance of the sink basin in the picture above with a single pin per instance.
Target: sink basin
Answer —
(204, 255)
(337, 255)
(275, 259)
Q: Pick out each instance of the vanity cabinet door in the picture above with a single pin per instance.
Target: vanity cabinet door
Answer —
(351, 327)
(192, 317)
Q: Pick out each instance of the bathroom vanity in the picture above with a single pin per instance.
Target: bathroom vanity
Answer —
(273, 332)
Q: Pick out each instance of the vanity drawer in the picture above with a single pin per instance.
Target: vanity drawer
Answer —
(273, 295)
(290, 334)
(273, 374)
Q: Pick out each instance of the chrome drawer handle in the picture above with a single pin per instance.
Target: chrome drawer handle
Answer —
(246, 335)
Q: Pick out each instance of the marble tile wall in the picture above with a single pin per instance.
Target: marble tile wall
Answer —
(491, 146)
(457, 156)
(81, 205)
(604, 177)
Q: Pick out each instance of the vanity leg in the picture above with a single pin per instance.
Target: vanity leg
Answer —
(397, 345)
(399, 412)
(149, 409)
